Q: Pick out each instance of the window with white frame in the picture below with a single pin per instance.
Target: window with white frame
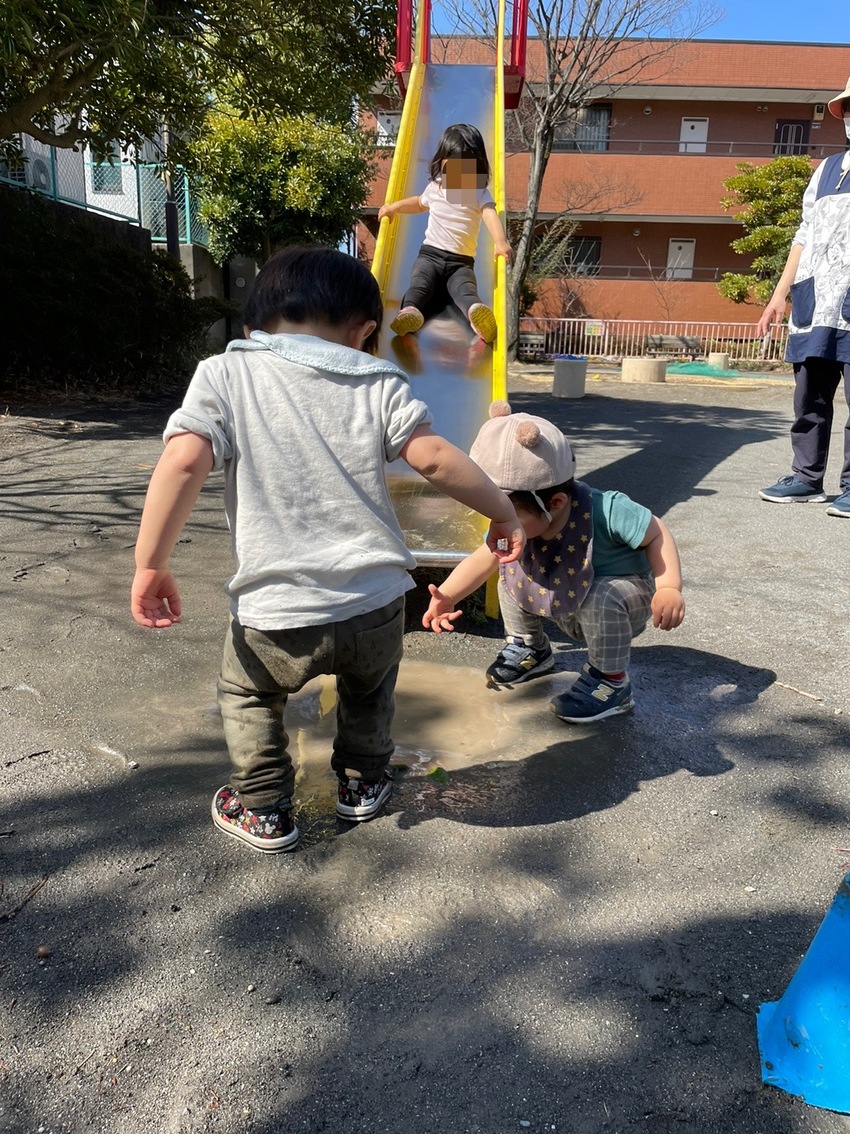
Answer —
(587, 131)
(575, 256)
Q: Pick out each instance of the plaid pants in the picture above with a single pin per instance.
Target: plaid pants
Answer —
(617, 609)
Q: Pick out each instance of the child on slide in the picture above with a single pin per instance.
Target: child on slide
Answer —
(457, 200)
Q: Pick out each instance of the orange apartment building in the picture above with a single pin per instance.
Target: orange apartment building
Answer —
(642, 171)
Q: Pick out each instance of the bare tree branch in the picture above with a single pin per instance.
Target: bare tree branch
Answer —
(585, 50)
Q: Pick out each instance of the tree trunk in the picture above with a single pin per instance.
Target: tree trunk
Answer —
(523, 251)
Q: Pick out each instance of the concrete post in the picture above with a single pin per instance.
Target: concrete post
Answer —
(719, 360)
(644, 370)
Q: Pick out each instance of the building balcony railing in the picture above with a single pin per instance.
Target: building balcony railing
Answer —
(134, 193)
(658, 274)
(662, 146)
(738, 147)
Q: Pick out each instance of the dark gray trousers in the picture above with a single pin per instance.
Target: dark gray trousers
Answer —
(816, 381)
(260, 668)
(438, 276)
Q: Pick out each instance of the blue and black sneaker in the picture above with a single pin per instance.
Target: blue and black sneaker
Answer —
(841, 504)
(592, 698)
(792, 490)
(518, 662)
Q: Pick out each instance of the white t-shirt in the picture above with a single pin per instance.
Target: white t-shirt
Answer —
(304, 430)
(454, 217)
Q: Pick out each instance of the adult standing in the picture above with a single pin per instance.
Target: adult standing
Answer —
(816, 278)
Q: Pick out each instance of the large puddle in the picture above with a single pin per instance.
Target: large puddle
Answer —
(447, 720)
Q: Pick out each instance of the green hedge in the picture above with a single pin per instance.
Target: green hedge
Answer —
(84, 312)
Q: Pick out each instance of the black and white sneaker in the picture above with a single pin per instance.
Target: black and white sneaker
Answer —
(357, 801)
(518, 662)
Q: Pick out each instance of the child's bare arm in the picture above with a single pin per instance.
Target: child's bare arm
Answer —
(464, 579)
(668, 606)
(173, 490)
(493, 224)
(406, 205)
(447, 468)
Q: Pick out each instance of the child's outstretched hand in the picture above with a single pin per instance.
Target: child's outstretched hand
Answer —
(441, 614)
(506, 541)
(668, 608)
(501, 248)
(154, 599)
(386, 211)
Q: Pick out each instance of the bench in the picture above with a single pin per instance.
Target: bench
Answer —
(674, 344)
(531, 346)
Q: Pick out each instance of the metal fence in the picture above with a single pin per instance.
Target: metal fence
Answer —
(128, 192)
(713, 148)
(542, 339)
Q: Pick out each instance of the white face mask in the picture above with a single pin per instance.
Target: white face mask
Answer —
(847, 126)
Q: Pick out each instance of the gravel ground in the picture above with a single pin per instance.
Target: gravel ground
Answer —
(569, 930)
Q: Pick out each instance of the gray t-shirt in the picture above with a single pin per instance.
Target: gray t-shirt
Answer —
(303, 429)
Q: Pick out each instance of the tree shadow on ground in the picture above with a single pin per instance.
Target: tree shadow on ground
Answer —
(398, 975)
(684, 699)
(672, 447)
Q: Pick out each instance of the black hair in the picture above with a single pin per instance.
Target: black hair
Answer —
(461, 141)
(306, 285)
(526, 501)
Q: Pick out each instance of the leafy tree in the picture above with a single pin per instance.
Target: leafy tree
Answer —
(93, 72)
(769, 198)
(290, 181)
(584, 45)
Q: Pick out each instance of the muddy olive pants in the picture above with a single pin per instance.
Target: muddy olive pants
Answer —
(259, 670)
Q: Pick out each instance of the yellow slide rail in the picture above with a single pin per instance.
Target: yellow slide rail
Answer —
(500, 283)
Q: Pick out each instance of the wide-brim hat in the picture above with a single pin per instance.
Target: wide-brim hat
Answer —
(834, 104)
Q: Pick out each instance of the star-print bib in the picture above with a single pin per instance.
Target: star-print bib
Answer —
(552, 576)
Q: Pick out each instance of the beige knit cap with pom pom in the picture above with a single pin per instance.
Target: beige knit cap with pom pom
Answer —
(521, 453)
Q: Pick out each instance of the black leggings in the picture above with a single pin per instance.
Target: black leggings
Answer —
(439, 276)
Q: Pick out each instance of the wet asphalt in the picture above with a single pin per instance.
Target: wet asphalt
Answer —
(565, 929)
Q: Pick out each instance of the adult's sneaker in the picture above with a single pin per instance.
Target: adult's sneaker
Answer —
(792, 490)
(592, 698)
(841, 504)
(271, 831)
(518, 662)
(358, 801)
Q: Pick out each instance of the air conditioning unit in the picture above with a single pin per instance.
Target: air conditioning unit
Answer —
(38, 174)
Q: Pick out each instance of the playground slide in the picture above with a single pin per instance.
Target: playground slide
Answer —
(439, 531)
